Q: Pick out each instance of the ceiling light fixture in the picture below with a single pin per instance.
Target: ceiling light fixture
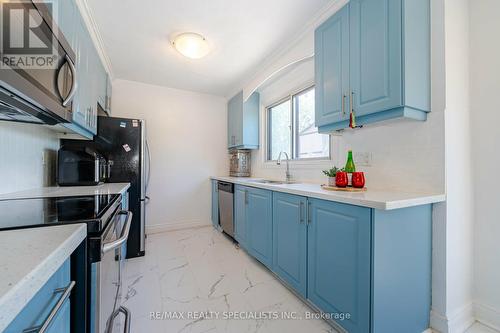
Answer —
(191, 45)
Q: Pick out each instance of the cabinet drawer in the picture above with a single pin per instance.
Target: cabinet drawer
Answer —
(38, 309)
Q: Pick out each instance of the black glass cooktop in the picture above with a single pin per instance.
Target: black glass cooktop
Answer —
(20, 213)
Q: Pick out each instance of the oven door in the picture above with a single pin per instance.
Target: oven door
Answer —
(109, 271)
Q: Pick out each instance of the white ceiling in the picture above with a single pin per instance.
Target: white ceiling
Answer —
(242, 34)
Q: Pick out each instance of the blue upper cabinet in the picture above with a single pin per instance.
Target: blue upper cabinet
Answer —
(243, 122)
(388, 46)
(93, 85)
(332, 68)
(376, 72)
(339, 259)
(259, 223)
(290, 240)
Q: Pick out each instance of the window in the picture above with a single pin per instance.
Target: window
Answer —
(291, 129)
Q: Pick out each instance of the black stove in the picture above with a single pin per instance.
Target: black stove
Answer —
(35, 212)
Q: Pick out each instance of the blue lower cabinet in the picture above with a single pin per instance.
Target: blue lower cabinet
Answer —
(358, 265)
(215, 204)
(240, 228)
(290, 240)
(339, 259)
(401, 270)
(259, 221)
(40, 306)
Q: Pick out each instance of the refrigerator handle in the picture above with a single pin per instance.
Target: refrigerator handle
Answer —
(148, 176)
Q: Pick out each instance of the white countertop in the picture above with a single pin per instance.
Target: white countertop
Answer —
(29, 258)
(68, 191)
(372, 198)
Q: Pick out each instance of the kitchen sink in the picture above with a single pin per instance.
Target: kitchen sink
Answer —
(273, 182)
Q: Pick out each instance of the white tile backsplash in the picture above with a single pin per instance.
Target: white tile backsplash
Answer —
(27, 156)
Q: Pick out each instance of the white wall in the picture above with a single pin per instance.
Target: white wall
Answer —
(23, 149)
(434, 156)
(459, 206)
(407, 155)
(187, 133)
(485, 108)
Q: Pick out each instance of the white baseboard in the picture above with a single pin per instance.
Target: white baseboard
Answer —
(459, 322)
(487, 315)
(159, 228)
(439, 323)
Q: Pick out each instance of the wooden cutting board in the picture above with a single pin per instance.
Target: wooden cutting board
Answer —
(343, 189)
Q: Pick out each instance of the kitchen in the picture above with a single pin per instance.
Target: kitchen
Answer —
(316, 166)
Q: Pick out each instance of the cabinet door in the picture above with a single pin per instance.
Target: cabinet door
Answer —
(64, 13)
(339, 262)
(260, 225)
(215, 204)
(235, 120)
(240, 229)
(290, 240)
(109, 93)
(103, 85)
(332, 69)
(94, 85)
(80, 101)
(376, 72)
(39, 307)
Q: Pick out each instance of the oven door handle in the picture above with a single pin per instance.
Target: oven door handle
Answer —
(124, 311)
(106, 247)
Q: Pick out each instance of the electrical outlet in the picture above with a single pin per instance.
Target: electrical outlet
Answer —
(363, 158)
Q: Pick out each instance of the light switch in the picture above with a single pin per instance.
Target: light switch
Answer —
(363, 158)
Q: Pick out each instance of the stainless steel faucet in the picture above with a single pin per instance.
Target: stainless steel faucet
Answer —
(287, 173)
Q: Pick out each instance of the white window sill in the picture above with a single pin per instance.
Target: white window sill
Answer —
(300, 164)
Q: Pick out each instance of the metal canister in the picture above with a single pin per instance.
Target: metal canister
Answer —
(240, 163)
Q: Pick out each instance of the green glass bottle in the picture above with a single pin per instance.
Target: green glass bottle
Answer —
(350, 167)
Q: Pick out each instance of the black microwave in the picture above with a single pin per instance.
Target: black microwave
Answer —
(37, 84)
(81, 166)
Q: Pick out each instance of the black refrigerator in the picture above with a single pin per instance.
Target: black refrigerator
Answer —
(123, 143)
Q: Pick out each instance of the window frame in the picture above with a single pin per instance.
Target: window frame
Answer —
(294, 149)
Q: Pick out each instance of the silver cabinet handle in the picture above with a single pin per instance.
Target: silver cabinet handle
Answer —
(343, 104)
(351, 102)
(75, 82)
(301, 211)
(309, 213)
(123, 237)
(246, 197)
(124, 311)
(65, 294)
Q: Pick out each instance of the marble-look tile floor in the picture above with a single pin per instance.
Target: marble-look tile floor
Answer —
(479, 328)
(202, 271)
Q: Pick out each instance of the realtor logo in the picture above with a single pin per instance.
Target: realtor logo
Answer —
(26, 39)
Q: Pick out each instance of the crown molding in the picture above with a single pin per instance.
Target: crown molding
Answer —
(91, 24)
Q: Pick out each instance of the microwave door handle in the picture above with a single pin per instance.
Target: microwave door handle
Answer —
(74, 85)
(106, 247)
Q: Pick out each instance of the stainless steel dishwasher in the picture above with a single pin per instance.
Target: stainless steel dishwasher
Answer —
(226, 192)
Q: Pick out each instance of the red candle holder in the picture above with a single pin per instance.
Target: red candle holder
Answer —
(358, 179)
(341, 180)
